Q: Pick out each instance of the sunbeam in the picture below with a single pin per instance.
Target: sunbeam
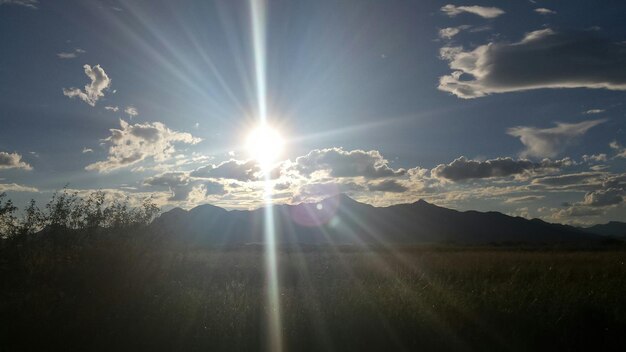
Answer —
(257, 10)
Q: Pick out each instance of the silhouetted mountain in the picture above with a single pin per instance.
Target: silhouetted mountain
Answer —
(613, 228)
(342, 220)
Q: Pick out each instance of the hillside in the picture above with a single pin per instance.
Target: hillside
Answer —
(342, 220)
(613, 229)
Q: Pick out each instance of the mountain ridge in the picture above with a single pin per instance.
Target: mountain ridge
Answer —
(612, 228)
(340, 219)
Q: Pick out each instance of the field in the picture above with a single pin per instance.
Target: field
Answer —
(124, 295)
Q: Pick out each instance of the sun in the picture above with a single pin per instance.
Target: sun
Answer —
(265, 145)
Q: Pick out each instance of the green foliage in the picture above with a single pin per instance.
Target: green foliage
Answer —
(68, 211)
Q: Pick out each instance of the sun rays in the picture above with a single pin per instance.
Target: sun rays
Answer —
(265, 144)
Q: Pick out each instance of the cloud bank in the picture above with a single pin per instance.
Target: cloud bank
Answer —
(542, 59)
(462, 169)
(340, 163)
(133, 143)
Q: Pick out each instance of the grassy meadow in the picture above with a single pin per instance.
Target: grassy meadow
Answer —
(128, 294)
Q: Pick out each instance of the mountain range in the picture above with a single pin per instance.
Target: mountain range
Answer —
(342, 220)
(612, 228)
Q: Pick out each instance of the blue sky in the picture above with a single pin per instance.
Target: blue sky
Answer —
(364, 93)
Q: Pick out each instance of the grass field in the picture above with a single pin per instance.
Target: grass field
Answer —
(127, 297)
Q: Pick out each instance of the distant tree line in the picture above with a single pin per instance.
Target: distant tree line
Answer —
(68, 211)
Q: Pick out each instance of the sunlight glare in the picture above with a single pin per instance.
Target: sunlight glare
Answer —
(265, 145)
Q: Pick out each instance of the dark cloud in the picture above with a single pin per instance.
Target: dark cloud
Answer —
(542, 59)
(325, 189)
(576, 211)
(464, 169)
(177, 182)
(341, 163)
(391, 186)
(231, 169)
(181, 185)
(604, 197)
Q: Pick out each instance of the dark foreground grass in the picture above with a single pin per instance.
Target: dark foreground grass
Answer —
(122, 296)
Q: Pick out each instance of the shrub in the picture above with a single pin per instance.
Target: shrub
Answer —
(68, 211)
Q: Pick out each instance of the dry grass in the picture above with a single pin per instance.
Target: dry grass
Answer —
(118, 295)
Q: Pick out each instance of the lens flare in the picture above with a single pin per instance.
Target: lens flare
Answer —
(266, 146)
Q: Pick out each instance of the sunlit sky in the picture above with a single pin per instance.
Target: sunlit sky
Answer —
(512, 106)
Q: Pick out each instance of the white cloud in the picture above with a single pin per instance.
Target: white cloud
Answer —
(14, 187)
(72, 54)
(112, 108)
(235, 184)
(542, 59)
(33, 4)
(572, 212)
(131, 111)
(544, 11)
(619, 149)
(133, 143)
(605, 197)
(593, 111)
(603, 192)
(340, 163)
(13, 161)
(523, 199)
(448, 33)
(87, 150)
(485, 12)
(595, 158)
(94, 90)
(549, 142)
(581, 181)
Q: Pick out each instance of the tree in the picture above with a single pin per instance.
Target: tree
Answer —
(61, 210)
(32, 221)
(8, 220)
(94, 210)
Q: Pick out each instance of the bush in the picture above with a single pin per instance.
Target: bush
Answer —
(68, 211)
